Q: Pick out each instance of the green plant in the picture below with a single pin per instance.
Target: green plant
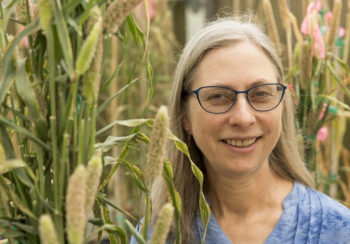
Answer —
(50, 79)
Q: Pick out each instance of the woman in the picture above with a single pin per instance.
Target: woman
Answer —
(230, 106)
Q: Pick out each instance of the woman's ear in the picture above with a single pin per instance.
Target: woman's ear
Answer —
(187, 126)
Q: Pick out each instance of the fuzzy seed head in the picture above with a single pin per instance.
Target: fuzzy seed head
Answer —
(88, 48)
(157, 145)
(271, 24)
(305, 64)
(45, 13)
(161, 228)
(333, 32)
(47, 230)
(92, 77)
(95, 15)
(94, 171)
(75, 206)
(284, 10)
(117, 12)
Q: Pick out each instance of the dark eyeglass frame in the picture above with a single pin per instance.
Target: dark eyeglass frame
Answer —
(236, 93)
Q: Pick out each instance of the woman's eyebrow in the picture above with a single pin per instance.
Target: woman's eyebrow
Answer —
(260, 81)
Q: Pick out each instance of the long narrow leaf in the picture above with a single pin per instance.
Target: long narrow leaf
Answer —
(127, 123)
(113, 140)
(337, 78)
(135, 232)
(15, 199)
(203, 205)
(105, 200)
(8, 62)
(25, 132)
(6, 143)
(63, 36)
(175, 198)
(26, 92)
(105, 104)
(8, 165)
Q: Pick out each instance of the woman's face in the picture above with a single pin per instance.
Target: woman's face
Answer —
(239, 141)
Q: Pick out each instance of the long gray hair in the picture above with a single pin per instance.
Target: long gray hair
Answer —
(285, 159)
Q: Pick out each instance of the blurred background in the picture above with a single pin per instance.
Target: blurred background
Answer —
(172, 23)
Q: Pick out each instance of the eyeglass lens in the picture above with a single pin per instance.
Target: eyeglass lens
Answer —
(220, 99)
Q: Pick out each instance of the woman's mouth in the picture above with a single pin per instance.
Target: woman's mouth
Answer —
(241, 143)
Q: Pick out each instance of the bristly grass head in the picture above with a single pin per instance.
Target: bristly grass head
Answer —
(47, 230)
(88, 48)
(45, 13)
(117, 12)
(162, 226)
(157, 145)
(94, 171)
(75, 206)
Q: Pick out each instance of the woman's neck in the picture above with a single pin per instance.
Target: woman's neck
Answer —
(243, 196)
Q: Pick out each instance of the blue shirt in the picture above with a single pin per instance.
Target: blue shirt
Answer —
(308, 217)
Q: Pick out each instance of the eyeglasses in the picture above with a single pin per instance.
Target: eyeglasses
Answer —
(220, 99)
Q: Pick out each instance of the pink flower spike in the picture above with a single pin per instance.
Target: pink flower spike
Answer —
(318, 5)
(152, 10)
(305, 24)
(319, 47)
(341, 32)
(322, 134)
(329, 17)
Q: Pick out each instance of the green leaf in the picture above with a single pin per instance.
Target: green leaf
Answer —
(203, 205)
(105, 200)
(147, 217)
(17, 202)
(175, 198)
(8, 67)
(8, 165)
(135, 31)
(127, 123)
(113, 229)
(10, 233)
(113, 140)
(24, 132)
(63, 36)
(106, 216)
(105, 104)
(8, 79)
(26, 228)
(27, 94)
(109, 80)
(337, 78)
(69, 6)
(341, 62)
(205, 213)
(6, 143)
(22, 174)
(137, 235)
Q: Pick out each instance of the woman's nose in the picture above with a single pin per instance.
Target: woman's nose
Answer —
(241, 114)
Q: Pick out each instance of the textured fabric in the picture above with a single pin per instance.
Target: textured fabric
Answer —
(308, 217)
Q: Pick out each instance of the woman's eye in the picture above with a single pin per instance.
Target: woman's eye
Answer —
(217, 96)
(261, 94)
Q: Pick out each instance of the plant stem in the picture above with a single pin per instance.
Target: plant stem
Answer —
(80, 150)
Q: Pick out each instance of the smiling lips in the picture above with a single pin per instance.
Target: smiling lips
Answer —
(241, 143)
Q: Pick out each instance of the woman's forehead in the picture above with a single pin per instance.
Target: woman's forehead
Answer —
(243, 62)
